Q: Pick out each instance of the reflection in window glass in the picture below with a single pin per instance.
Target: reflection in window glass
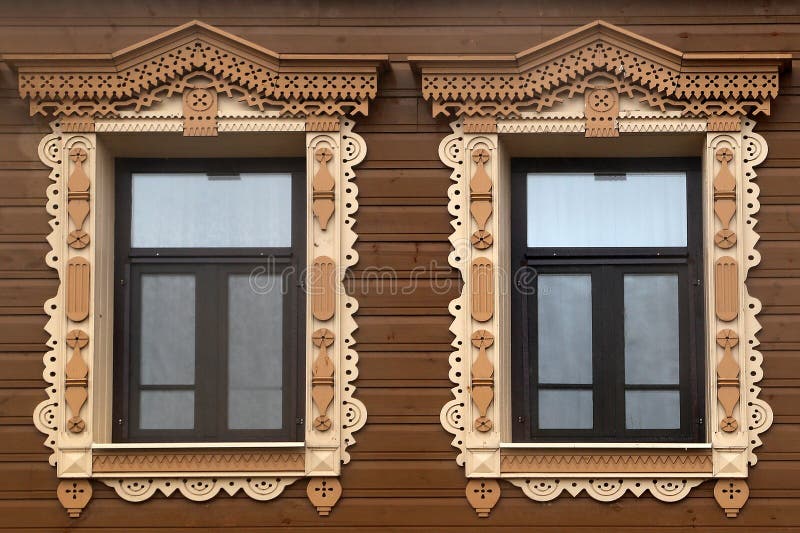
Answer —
(565, 409)
(652, 409)
(584, 210)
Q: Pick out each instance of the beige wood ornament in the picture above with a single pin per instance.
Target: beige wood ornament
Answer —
(322, 287)
(724, 123)
(323, 493)
(483, 495)
(728, 379)
(200, 112)
(77, 380)
(724, 189)
(322, 378)
(322, 188)
(482, 379)
(74, 495)
(78, 270)
(480, 187)
(482, 289)
(726, 288)
(602, 110)
(78, 198)
(731, 495)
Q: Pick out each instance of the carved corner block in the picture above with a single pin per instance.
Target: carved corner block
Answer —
(731, 495)
(323, 493)
(483, 495)
(74, 495)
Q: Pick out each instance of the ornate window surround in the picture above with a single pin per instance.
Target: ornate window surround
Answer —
(203, 82)
(601, 81)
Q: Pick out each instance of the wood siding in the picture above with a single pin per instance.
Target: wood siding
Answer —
(403, 473)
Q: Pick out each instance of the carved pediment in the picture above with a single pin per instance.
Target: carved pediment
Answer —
(704, 85)
(102, 85)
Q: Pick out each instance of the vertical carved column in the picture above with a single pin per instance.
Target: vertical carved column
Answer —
(481, 199)
(724, 198)
(728, 379)
(322, 378)
(77, 381)
(482, 289)
(322, 186)
(78, 198)
(602, 110)
(321, 286)
(482, 379)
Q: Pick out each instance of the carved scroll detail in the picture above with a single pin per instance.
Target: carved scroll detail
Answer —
(322, 378)
(724, 198)
(74, 495)
(323, 493)
(322, 186)
(322, 286)
(602, 110)
(200, 112)
(731, 495)
(726, 288)
(77, 382)
(78, 198)
(78, 270)
(481, 197)
(482, 379)
(482, 289)
(483, 495)
(728, 379)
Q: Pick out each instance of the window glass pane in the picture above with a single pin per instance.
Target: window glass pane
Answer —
(581, 210)
(167, 335)
(652, 409)
(565, 409)
(565, 328)
(651, 329)
(201, 211)
(255, 351)
(166, 409)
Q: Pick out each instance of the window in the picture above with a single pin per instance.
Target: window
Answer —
(209, 317)
(606, 340)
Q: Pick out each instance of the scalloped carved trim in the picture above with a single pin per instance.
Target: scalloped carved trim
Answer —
(606, 489)
(200, 489)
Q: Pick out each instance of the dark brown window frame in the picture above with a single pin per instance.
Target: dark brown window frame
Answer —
(607, 266)
(129, 263)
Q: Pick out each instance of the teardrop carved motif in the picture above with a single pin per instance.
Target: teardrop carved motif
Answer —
(78, 198)
(322, 188)
(480, 187)
(726, 281)
(322, 287)
(725, 198)
(482, 379)
(322, 378)
(728, 379)
(78, 270)
(77, 380)
(482, 289)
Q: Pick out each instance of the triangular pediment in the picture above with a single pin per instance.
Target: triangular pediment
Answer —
(598, 47)
(194, 47)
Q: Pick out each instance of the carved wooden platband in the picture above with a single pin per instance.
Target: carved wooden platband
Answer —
(78, 198)
(322, 287)
(481, 199)
(322, 378)
(323, 185)
(78, 288)
(728, 379)
(77, 380)
(122, 462)
(482, 289)
(482, 379)
(726, 288)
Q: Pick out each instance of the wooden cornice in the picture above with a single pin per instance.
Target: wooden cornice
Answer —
(72, 84)
(461, 83)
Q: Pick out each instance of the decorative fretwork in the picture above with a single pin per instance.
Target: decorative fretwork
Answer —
(322, 378)
(323, 195)
(482, 379)
(77, 380)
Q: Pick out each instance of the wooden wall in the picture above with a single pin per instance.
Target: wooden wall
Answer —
(403, 472)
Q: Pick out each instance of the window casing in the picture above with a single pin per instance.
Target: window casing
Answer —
(218, 393)
(553, 374)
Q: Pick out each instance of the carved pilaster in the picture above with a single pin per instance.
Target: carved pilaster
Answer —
(323, 493)
(728, 379)
(322, 186)
(78, 289)
(322, 378)
(78, 198)
(482, 289)
(77, 380)
(321, 286)
(727, 288)
(480, 188)
(482, 379)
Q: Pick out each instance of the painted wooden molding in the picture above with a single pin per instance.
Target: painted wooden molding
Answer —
(737, 416)
(482, 379)
(321, 286)
(322, 378)
(483, 495)
(322, 185)
(79, 373)
(323, 493)
(74, 495)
